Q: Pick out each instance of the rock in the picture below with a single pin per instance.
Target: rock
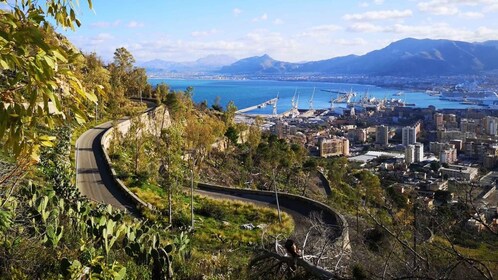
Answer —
(225, 223)
(247, 226)
(261, 226)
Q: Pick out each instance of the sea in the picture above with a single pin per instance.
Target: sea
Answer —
(247, 93)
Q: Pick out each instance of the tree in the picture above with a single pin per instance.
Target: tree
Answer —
(200, 134)
(229, 114)
(232, 134)
(38, 86)
(138, 82)
(170, 146)
(121, 70)
(216, 105)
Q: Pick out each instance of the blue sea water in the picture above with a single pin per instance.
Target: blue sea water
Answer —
(246, 93)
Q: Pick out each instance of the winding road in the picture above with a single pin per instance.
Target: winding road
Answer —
(93, 176)
(94, 180)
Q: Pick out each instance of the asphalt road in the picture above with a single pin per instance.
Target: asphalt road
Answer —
(93, 175)
(300, 212)
(94, 180)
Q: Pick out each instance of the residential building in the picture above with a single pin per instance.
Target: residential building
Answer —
(439, 120)
(382, 135)
(459, 172)
(419, 152)
(410, 154)
(448, 156)
(409, 135)
(338, 146)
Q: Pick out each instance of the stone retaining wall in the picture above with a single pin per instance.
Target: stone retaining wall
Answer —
(153, 119)
(330, 215)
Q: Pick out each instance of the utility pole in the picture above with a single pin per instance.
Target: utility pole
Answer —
(415, 232)
(276, 197)
(192, 197)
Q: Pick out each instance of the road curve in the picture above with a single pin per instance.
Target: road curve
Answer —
(94, 180)
(93, 177)
(301, 209)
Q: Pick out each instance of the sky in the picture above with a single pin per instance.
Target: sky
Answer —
(288, 30)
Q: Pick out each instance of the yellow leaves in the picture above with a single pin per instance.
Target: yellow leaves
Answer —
(47, 138)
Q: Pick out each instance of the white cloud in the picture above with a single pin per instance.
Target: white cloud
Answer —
(433, 31)
(134, 24)
(101, 38)
(263, 17)
(350, 42)
(379, 15)
(378, 2)
(491, 8)
(204, 33)
(453, 7)
(278, 21)
(438, 7)
(364, 27)
(363, 5)
(320, 30)
(471, 15)
(236, 11)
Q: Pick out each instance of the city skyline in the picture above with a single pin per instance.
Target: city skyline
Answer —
(286, 30)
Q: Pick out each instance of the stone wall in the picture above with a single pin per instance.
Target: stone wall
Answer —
(153, 120)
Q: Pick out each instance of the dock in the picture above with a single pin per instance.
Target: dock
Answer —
(259, 106)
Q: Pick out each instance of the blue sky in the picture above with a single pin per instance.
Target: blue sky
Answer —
(289, 30)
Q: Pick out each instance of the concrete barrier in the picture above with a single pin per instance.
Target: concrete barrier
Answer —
(154, 119)
(329, 215)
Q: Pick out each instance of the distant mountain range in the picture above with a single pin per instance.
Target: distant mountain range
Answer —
(209, 63)
(407, 57)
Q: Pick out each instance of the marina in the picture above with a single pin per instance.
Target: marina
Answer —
(251, 93)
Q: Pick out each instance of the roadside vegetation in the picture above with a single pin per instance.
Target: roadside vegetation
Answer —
(51, 93)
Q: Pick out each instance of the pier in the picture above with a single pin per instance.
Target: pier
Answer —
(261, 105)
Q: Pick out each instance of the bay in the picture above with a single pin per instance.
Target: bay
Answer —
(246, 93)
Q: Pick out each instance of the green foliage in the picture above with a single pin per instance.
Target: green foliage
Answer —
(399, 200)
(232, 134)
(39, 88)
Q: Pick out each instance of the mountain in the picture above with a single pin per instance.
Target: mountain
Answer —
(259, 65)
(216, 60)
(407, 57)
(205, 64)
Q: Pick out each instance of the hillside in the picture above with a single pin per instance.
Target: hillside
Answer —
(407, 57)
(205, 64)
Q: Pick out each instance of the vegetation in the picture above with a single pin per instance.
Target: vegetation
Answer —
(47, 231)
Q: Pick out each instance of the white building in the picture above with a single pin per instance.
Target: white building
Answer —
(409, 135)
(382, 135)
(419, 152)
(492, 127)
(459, 172)
(448, 156)
(410, 154)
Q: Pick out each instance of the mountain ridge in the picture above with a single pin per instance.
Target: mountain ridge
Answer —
(406, 57)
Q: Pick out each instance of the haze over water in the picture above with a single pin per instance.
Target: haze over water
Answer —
(252, 92)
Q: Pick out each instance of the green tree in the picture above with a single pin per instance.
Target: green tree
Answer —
(229, 114)
(138, 82)
(232, 134)
(121, 70)
(37, 83)
(216, 105)
(172, 169)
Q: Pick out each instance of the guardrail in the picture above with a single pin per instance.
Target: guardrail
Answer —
(329, 215)
(124, 126)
